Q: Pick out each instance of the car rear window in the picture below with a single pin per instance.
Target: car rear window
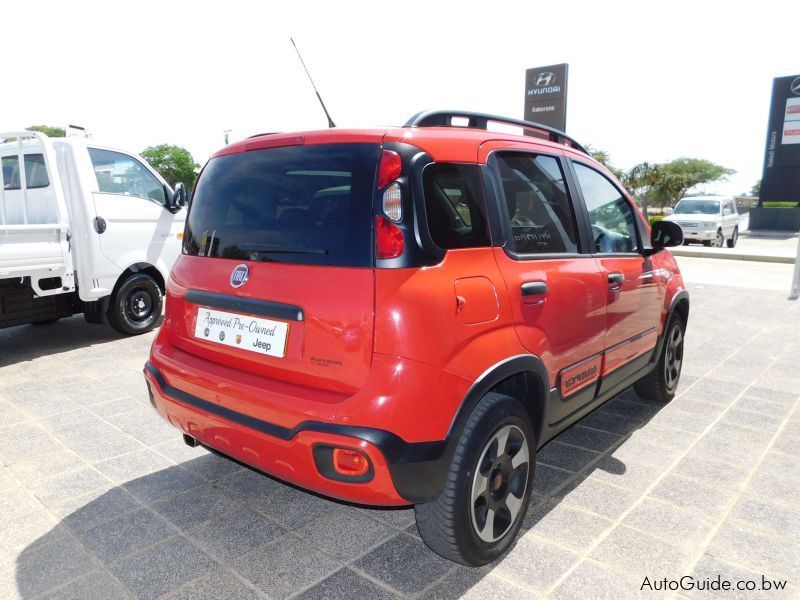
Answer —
(297, 204)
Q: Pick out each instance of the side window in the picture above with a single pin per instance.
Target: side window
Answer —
(454, 206)
(119, 173)
(542, 219)
(35, 172)
(612, 217)
(11, 180)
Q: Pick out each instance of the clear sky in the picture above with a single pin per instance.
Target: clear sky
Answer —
(648, 81)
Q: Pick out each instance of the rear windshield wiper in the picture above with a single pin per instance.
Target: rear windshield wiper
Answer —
(271, 249)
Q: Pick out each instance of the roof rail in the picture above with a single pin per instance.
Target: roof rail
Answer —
(475, 120)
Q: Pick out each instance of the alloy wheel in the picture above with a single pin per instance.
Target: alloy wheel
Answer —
(499, 483)
(674, 357)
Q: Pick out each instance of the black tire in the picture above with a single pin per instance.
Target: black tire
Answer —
(719, 241)
(734, 238)
(136, 305)
(685, 242)
(449, 524)
(660, 384)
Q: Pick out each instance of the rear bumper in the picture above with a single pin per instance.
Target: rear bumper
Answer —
(403, 472)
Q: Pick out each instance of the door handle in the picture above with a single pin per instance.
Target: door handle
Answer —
(100, 224)
(534, 288)
(615, 280)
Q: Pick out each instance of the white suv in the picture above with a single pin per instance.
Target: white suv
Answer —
(712, 220)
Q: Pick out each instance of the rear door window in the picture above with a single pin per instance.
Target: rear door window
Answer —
(539, 208)
(296, 204)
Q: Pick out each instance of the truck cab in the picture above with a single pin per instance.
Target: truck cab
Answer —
(84, 227)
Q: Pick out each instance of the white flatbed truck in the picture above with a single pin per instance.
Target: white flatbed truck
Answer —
(84, 228)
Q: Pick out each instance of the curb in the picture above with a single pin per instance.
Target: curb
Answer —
(771, 258)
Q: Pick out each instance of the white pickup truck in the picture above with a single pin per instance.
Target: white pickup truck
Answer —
(710, 220)
(84, 228)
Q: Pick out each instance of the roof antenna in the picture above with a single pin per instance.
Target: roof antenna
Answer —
(330, 121)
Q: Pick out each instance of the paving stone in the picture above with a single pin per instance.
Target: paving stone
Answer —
(710, 568)
(775, 486)
(84, 512)
(26, 448)
(292, 507)
(46, 566)
(679, 526)
(564, 525)
(344, 585)
(402, 518)
(235, 533)
(405, 564)
(113, 407)
(640, 553)
(475, 584)
(546, 479)
(636, 449)
(781, 464)
(126, 534)
(535, 563)
(776, 519)
(19, 431)
(634, 476)
(214, 586)
(131, 466)
(610, 422)
(711, 472)
(93, 586)
(163, 568)
(598, 497)
(250, 486)
(103, 448)
(689, 493)
(199, 504)
(346, 533)
(745, 418)
(285, 566)
(682, 421)
(178, 451)
(594, 580)
(565, 457)
(163, 484)
(60, 488)
(211, 466)
(41, 467)
(758, 551)
(590, 439)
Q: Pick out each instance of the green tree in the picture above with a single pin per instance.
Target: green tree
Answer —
(755, 192)
(175, 164)
(640, 181)
(48, 130)
(604, 158)
(682, 174)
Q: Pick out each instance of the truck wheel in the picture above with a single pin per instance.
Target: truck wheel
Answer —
(481, 508)
(136, 305)
(734, 238)
(660, 384)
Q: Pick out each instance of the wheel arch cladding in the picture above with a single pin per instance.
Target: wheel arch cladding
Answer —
(141, 267)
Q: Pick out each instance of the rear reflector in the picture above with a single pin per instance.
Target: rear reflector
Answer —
(393, 202)
(352, 463)
(390, 169)
(389, 241)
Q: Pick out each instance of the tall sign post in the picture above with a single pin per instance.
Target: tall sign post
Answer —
(781, 178)
(546, 96)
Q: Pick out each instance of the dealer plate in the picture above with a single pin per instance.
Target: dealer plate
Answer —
(253, 334)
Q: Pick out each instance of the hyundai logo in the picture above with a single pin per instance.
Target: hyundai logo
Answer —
(544, 79)
(795, 87)
(239, 275)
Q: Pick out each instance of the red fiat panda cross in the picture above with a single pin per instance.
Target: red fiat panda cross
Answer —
(404, 316)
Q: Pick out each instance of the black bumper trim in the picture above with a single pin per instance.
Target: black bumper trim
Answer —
(261, 308)
(417, 468)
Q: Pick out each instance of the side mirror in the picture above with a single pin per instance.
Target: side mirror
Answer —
(665, 234)
(179, 197)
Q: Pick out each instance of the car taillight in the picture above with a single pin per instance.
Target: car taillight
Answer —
(393, 202)
(388, 238)
(352, 463)
(390, 168)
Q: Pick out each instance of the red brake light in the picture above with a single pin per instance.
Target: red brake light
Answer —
(352, 463)
(390, 169)
(389, 241)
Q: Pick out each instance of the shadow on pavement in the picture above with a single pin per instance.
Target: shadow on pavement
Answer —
(229, 530)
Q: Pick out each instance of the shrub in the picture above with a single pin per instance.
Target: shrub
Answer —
(776, 204)
(655, 218)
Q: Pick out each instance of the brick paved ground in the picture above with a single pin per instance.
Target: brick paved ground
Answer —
(100, 499)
